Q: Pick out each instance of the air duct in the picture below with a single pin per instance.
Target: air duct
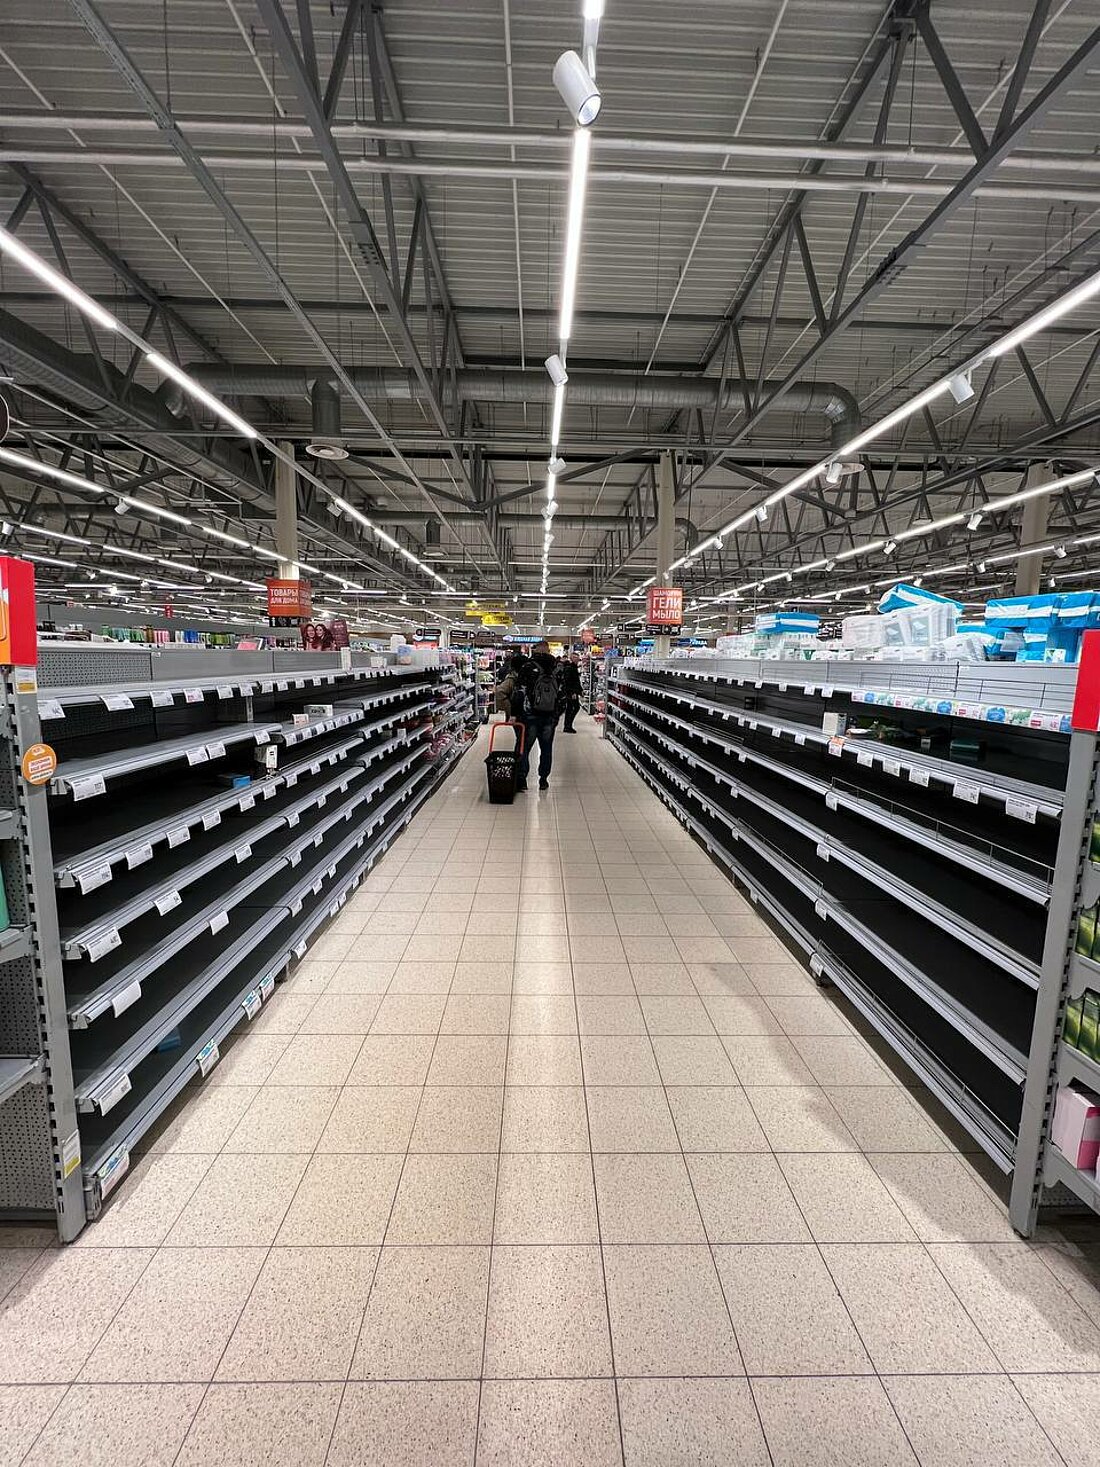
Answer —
(660, 392)
(328, 439)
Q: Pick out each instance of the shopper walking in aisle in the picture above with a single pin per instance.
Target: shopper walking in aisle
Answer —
(571, 691)
(508, 694)
(542, 704)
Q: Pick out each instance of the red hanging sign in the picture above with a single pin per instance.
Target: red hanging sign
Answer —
(664, 609)
(288, 602)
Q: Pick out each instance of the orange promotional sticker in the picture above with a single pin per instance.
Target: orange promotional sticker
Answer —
(39, 764)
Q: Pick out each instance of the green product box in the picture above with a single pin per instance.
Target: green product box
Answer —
(1094, 843)
(1086, 932)
(1089, 1043)
(1071, 1029)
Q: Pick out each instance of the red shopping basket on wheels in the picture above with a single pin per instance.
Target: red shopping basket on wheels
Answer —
(502, 765)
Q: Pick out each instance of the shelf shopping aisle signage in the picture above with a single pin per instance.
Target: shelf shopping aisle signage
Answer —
(664, 609)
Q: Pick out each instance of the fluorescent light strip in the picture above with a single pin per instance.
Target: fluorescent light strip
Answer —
(17, 251)
(556, 413)
(578, 183)
(1086, 291)
(200, 394)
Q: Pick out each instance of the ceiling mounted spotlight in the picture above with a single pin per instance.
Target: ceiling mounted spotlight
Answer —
(960, 387)
(975, 520)
(120, 506)
(833, 473)
(551, 510)
(762, 513)
(1061, 552)
(578, 91)
(982, 567)
(890, 547)
(556, 368)
(556, 466)
(718, 542)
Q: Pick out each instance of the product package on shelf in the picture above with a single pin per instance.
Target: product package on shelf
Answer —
(1075, 1129)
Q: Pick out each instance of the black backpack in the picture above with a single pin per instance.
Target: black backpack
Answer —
(542, 692)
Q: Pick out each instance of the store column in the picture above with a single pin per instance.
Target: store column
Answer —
(666, 534)
(1033, 531)
(286, 515)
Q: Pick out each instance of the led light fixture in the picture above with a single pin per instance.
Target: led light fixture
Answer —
(556, 368)
(578, 184)
(974, 520)
(199, 393)
(960, 387)
(18, 252)
(833, 473)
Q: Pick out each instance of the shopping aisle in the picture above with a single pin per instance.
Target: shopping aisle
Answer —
(549, 1151)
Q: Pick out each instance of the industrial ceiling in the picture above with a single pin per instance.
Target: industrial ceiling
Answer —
(346, 221)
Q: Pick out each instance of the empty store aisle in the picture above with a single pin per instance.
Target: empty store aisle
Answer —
(550, 1153)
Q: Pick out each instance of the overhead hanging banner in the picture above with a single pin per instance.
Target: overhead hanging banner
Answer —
(664, 612)
(289, 602)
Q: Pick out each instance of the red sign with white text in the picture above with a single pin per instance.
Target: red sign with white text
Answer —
(664, 609)
(288, 602)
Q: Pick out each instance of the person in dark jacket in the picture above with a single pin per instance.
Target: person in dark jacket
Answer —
(538, 679)
(571, 691)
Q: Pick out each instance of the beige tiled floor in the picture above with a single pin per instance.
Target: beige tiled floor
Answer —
(549, 1155)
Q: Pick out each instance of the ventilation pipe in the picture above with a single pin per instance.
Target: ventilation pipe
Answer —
(328, 439)
(662, 392)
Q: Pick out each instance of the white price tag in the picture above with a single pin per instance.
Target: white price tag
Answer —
(198, 756)
(776, 732)
(207, 1057)
(262, 736)
(124, 999)
(823, 852)
(167, 902)
(296, 905)
(101, 943)
(300, 949)
(964, 790)
(827, 690)
(821, 909)
(291, 779)
(1024, 810)
(112, 1171)
(50, 708)
(800, 739)
(322, 800)
(216, 750)
(281, 686)
(89, 880)
(830, 800)
(268, 791)
(91, 784)
(116, 702)
(267, 987)
(251, 1004)
(225, 691)
(138, 855)
(892, 766)
(192, 695)
(242, 853)
(809, 688)
(110, 1097)
(836, 747)
(919, 776)
(161, 700)
(816, 965)
(247, 802)
(211, 819)
(218, 921)
(864, 757)
(292, 818)
(179, 836)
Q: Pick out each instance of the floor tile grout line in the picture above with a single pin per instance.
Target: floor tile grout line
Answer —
(596, 1204)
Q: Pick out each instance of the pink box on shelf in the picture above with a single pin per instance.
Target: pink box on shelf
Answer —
(1076, 1127)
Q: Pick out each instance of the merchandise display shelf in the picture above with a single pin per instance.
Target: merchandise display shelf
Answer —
(918, 879)
(1073, 1065)
(284, 931)
(1084, 1185)
(88, 777)
(172, 905)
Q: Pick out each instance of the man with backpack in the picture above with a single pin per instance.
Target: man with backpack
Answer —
(542, 704)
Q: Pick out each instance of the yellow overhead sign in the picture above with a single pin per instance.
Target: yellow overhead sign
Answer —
(496, 619)
(484, 608)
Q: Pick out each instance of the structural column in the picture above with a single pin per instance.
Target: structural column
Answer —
(666, 533)
(286, 515)
(1033, 531)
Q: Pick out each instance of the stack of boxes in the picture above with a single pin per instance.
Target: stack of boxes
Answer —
(1045, 628)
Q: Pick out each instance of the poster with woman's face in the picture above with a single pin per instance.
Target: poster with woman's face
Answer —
(324, 636)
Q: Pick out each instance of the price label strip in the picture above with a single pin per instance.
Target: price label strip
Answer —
(207, 1057)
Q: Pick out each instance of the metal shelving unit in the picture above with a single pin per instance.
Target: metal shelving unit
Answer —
(166, 912)
(911, 860)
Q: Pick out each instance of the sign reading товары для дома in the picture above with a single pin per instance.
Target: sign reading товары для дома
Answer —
(664, 609)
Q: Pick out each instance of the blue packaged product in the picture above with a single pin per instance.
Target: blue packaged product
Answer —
(1075, 608)
(1019, 611)
(905, 595)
